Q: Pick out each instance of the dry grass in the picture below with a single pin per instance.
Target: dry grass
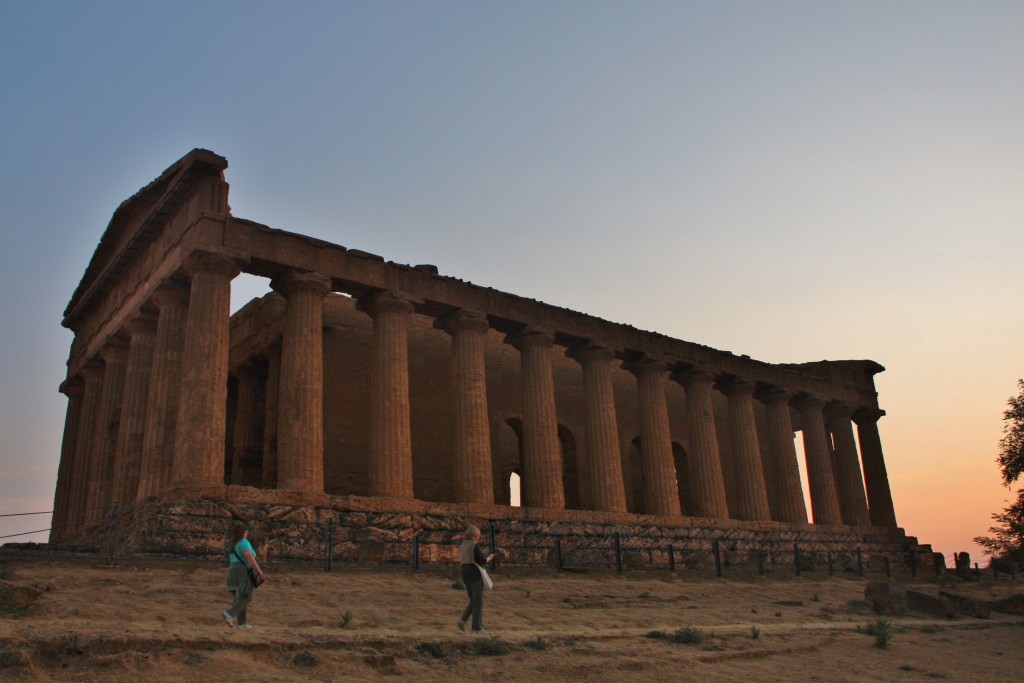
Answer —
(160, 621)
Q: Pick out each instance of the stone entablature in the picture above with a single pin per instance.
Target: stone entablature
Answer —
(179, 398)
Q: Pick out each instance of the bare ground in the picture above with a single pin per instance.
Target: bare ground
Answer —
(159, 620)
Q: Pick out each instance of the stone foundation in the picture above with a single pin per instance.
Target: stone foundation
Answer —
(380, 531)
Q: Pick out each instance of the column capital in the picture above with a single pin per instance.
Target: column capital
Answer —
(531, 337)
(170, 292)
(143, 323)
(736, 386)
(384, 301)
(72, 386)
(211, 262)
(693, 375)
(115, 348)
(774, 394)
(463, 320)
(837, 410)
(93, 369)
(864, 416)
(644, 365)
(589, 351)
(291, 281)
(807, 402)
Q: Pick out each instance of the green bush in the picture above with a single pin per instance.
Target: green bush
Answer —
(881, 630)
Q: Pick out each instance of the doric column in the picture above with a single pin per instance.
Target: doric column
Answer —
(880, 505)
(705, 466)
(247, 446)
(542, 454)
(270, 421)
(84, 487)
(300, 421)
(752, 494)
(604, 459)
(199, 437)
(171, 298)
(390, 467)
(128, 458)
(104, 441)
(824, 500)
(661, 488)
(472, 438)
(70, 462)
(849, 481)
(785, 493)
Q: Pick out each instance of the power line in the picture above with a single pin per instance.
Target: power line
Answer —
(21, 514)
(26, 533)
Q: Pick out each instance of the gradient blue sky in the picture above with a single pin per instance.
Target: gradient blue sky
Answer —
(789, 180)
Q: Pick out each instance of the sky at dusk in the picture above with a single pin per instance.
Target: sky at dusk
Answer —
(794, 181)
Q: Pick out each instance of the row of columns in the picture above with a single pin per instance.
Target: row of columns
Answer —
(181, 350)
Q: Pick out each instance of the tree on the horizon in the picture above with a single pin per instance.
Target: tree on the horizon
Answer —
(1007, 540)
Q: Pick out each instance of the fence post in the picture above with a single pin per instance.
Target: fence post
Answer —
(828, 559)
(760, 562)
(718, 557)
(860, 562)
(329, 542)
(796, 559)
(940, 563)
(671, 559)
(558, 553)
(112, 533)
(494, 551)
(977, 570)
(416, 553)
(888, 567)
(618, 553)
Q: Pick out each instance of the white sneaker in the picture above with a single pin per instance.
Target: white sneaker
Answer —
(228, 618)
(244, 626)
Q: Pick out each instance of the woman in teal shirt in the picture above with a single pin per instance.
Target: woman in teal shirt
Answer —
(242, 554)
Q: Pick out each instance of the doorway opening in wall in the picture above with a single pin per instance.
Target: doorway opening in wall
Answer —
(514, 491)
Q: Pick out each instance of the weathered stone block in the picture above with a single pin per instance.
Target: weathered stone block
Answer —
(969, 606)
(887, 598)
(935, 605)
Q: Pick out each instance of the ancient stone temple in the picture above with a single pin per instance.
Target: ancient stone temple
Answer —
(392, 400)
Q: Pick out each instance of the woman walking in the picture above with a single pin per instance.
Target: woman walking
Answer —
(242, 555)
(472, 557)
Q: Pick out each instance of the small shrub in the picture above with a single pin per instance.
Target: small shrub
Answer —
(346, 618)
(778, 614)
(881, 630)
(755, 632)
(753, 610)
(688, 635)
(457, 585)
(432, 649)
(491, 647)
(656, 634)
(815, 598)
(537, 643)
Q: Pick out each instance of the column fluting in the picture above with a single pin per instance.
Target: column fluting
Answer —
(246, 446)
(390, 471)
(820, 475)
(786, 495)
(655, 438)
(472, 432)
(171, 300)
(138, 370)
(104, 439)
(201, 423)
(849, 480)
(752, 494)
(84, 496)
(300, 427)
(542, 454)
(705, 466)
(271, 392)
(880, 507)
(70, 463)
(606, 491)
